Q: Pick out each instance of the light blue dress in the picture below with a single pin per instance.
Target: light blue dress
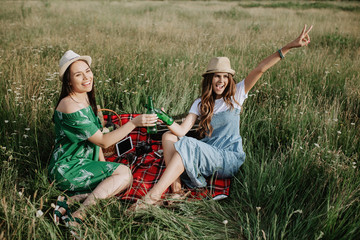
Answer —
(221, 154)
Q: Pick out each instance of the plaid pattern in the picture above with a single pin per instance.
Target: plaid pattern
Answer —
(147, 169)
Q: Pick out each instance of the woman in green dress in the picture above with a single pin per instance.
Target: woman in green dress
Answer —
(77, 164)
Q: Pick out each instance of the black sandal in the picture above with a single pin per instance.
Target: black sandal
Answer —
(60, 204)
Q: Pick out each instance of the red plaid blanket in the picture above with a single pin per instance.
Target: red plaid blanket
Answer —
(147, 169)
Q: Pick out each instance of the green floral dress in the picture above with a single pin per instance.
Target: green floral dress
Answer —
(74, 164)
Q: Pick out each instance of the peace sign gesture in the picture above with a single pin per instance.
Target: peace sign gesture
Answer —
(303, 39)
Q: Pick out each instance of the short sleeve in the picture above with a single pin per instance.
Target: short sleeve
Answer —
(240, 95)
(195, 107)
(78, 128)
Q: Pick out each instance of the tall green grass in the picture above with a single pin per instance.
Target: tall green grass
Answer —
(300, 124)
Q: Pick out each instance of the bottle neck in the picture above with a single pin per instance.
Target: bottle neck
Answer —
(150, 103)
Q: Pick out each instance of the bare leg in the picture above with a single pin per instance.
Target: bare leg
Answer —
(120, 180)
(168, 140)
(174, 169)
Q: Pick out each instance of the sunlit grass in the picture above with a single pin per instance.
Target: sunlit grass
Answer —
(300, 124)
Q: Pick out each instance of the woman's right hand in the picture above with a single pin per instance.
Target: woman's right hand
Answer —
(302, 40)
(145, 120)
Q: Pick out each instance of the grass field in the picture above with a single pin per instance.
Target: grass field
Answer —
(300, 124)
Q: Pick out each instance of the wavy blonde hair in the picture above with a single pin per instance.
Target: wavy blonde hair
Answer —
(207, 102)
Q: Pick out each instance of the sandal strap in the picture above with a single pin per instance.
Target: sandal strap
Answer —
(58, 213)
(78, 220)
(64, 205)
(68, 219)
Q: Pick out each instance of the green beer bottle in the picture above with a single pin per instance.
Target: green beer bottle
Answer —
(150, 110)
(163, 116)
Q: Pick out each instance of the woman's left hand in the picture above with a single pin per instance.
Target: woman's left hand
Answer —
(302, 40)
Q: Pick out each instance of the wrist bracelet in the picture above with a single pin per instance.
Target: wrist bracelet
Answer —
(281, 54)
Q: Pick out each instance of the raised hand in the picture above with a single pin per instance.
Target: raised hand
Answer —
(303, 39)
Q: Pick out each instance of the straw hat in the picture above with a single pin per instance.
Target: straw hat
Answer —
(219, 64)
(68, 58)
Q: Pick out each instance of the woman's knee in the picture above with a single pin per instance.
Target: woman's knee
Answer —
(125, 172)
(169, 136)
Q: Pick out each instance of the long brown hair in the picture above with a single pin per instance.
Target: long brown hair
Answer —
(207, 103)
(66, 90)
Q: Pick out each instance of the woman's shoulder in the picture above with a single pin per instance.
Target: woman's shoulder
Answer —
(197, 101)
(240, 84)
(67, 105)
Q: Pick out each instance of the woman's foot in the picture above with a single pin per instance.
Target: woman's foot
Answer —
(178, 196)
(145, 203)
(74, 222)
(61, 209)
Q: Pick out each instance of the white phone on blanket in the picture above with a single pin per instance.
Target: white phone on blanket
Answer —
(124, 146)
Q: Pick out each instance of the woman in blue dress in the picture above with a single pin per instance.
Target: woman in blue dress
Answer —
(220, 152)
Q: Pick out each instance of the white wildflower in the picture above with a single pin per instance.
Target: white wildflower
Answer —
(298, 211)
(317, 145)
(225, 222)
(27, 129)
(6, 121)
(339, 132)
(39, 213)
(352, 124)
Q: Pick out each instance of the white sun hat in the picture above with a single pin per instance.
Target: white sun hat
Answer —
(67, 59)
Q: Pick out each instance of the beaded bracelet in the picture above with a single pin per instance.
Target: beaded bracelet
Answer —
(281, 54)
